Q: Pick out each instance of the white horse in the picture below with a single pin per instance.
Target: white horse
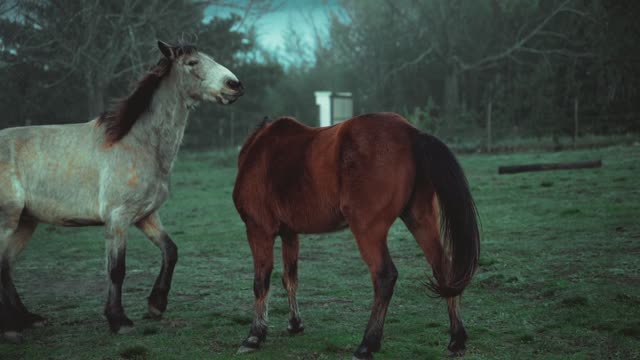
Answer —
(111, 171)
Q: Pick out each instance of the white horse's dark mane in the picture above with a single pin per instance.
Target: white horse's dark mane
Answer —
(118, 123)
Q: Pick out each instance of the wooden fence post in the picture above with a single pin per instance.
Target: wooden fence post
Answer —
(513, 169)
(232, 125)
(220, 142)
(489, 126)
(575, 121)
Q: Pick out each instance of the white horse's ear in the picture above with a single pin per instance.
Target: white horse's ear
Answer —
(166, 49)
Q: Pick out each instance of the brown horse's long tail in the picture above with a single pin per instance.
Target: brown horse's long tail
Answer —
(458, 216)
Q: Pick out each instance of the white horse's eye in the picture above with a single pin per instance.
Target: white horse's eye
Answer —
(192, 62)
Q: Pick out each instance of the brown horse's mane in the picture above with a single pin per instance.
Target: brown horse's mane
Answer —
(128, 110)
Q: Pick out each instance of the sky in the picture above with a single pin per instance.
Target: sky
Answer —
(305, 17)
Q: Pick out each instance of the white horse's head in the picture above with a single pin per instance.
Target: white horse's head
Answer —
(200, 77)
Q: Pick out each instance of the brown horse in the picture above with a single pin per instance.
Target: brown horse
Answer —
(363, 173)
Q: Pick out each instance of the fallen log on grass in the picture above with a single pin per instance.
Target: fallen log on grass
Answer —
(550, 166)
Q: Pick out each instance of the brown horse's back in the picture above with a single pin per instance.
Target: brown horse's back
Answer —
(307, 178)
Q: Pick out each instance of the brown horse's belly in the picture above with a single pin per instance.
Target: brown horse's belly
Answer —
(316, 222)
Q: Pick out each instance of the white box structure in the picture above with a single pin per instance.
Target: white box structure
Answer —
(334, 107)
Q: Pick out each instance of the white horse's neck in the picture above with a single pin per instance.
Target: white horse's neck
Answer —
(162, 127)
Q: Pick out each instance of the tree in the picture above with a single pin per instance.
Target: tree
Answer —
(102, 43)
(456, 55)
(97, 42)
(63, 60)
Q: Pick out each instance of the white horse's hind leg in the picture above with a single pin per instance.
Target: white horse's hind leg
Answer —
(116, 244)
(17, 241)
(21, 236)
(14, 234)
(10, 210)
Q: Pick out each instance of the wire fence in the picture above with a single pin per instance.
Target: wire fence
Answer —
(228, 129)
(487, 131)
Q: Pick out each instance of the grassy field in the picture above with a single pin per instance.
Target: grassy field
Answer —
(559, 275)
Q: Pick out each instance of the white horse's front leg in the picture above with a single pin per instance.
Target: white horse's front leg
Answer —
(153, 229)
(116, 244)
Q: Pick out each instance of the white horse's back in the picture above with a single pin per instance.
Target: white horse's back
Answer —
(54, 171)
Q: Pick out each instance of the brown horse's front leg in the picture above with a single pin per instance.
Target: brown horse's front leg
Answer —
(261, 243)
(116, 251)
(153, 229)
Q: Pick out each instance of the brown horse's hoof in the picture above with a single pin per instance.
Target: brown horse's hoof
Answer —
(454, 350)
(157, 303)
(459, 353)
(363, 353)
(125, 329)
(14, 337)
(250, 344)
(457, 343)
(245, 350)
(119, 323)
(153, 313)
(295, 327)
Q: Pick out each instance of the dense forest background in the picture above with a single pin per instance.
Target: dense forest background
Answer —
(538, 66)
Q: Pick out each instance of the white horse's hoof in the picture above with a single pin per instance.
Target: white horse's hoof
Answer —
(41, 323)
(14, 337)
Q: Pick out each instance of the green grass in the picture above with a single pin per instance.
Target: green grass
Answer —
(559, 275)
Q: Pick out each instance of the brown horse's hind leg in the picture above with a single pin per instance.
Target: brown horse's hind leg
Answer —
(458, 340)
(261, 243)
(290, 250)
(372, 243)
(422, 219)
(153, 229)
(14, 316)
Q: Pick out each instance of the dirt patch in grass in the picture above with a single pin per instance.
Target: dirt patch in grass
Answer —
(576, 300)
(627, 299)
(526, 338)
(570, 212)
(135, 353)
(336, 349)
(149, 331)
(241, 319)
(487, 261)
(631, 331)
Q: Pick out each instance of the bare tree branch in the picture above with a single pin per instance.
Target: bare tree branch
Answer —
(404, 65)
(519, 45)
